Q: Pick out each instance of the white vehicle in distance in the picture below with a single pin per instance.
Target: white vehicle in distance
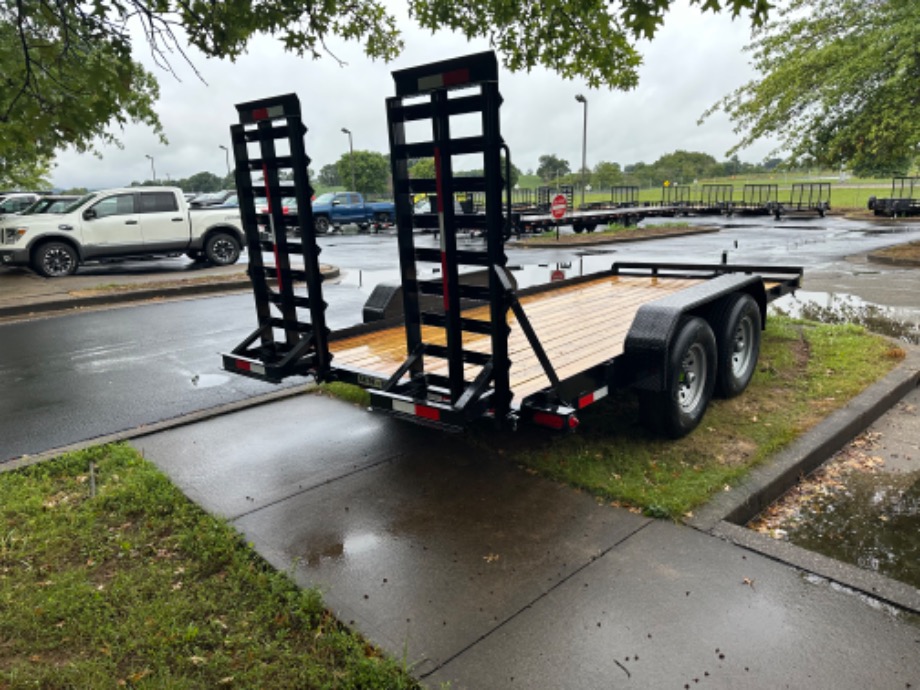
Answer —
(136, 222)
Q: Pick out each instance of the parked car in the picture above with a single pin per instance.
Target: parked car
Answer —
(17, 202)
(121, 223)
(53, 203)
(341, 208)
(212, 198)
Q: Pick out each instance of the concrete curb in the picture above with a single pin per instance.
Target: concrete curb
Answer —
(892, 261)
(726, 514)
(146, 292)
(552, 244)
(165, 425)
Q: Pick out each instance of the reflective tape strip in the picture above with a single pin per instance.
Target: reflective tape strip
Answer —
(599, 394)
(416, 410)
(268, 113)
(438, 81)
(246, 365)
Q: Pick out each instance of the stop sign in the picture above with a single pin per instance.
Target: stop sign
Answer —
(559, 206)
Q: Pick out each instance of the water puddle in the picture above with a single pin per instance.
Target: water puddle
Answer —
(900, 323)
(859, 508)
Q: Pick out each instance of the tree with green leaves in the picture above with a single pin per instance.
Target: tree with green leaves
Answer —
(685, 166)
(422, 169)
(329, 176)
(26, 174)
(69, 76)
(371, 171)
(550, 167)
(606, 175)
(839, 85)
(64, 83)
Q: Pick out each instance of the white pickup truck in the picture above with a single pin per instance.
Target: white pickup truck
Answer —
(121, 224)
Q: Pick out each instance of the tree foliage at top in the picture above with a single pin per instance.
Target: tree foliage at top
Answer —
(66, 75)
(840, 86)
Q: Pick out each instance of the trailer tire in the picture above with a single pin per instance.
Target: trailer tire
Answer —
(690, 379)
(578, 228)
(322, 225)
(222, 249)
(737, 324)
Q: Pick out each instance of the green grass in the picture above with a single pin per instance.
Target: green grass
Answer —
(806, 371)
(347, 392)
(137, 587)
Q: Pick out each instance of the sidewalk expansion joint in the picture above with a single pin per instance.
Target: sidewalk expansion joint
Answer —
(319, 485)
(542, 596)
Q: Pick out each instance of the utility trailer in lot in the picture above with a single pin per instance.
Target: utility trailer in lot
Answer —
(676, 333)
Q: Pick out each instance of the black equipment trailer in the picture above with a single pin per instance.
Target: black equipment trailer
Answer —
(484, 350)
(904, 199)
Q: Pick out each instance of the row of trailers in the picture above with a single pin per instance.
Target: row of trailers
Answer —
(467, 345)
(530, 208)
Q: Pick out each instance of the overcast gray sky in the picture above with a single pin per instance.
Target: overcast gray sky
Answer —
(694, 60)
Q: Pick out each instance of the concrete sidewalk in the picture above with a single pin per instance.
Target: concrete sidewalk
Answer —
(482, 575)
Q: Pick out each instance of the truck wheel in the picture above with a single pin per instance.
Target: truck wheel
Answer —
(55, 259)
(689, 381)
(737, 325)
(322, 224)
(578, 228)
(382, 217)
(222, 249)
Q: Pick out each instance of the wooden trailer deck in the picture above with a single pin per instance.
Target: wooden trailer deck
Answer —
(579, 326)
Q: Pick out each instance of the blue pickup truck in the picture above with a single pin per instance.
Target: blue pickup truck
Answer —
(343, 208)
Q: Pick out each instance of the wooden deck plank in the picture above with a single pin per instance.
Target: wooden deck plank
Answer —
(579, 326)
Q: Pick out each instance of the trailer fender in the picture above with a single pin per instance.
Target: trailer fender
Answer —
(651, 335)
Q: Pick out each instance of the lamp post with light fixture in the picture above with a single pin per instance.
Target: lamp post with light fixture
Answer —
(351, 150)
(584, 143)
(153, 170)
(227, 156)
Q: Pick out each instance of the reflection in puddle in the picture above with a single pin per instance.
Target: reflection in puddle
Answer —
(334, 549)
(903, 324)
(209, 380)
(858, 507)
(870, 520)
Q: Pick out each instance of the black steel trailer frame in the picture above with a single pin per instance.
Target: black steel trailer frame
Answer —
(903, 200)
(451, 364)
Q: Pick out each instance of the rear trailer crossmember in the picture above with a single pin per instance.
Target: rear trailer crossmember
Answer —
(471, 346)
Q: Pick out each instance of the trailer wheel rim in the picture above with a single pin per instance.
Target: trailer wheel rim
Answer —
(692, 380)
(57, 261)
(742, 347)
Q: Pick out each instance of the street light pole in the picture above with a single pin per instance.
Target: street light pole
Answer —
(351, 150)
(584, 144)
(227, 156)
(153, 170)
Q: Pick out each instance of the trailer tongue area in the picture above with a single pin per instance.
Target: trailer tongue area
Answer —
(463, 350)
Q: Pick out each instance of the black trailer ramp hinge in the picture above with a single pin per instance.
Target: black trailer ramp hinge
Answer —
(271, 166)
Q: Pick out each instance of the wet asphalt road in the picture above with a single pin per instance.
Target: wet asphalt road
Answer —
(75, 377)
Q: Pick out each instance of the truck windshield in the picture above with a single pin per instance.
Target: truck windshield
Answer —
(79, 202)
(324, 198)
